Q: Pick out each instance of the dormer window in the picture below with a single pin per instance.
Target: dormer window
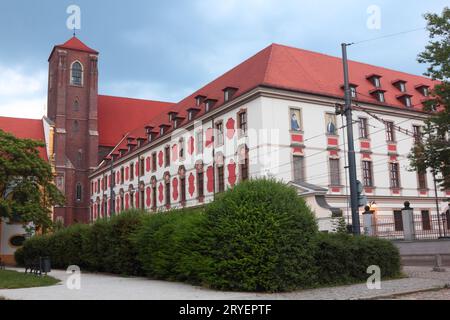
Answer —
(162, 129)
(375, 79)
(353, 91)
(192, 112)
(150, 133)
(423, 89)
(228, 93)
(406, 99)
(379, 95)
(199, 100)
(140, 141)
(400, 85)
(172, 116)
(209, 104)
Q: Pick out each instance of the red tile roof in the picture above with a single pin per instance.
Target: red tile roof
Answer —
(25, 129)
(74, 44)
(118, 116)
(289, 68)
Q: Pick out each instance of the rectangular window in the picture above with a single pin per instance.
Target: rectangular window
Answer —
(376, 82)
(98, 185)
(299, 168)
(363, 128)
(181, 149)
(132, 200)
(167, 195)
(183, 189)
(131, 171)
(154, 205)
(390, 133)
(394, 174)
(381, 96)
(422, 180)
(335, 176)
(242, 123)
(219, 133)
(398, 220)
(408, 101)
(367, 173)
(221, 178)
(167, 156)
(200, 184)
(122, 203)
(154, 162)
(122, 175)
(199, 141)
(353, 91)
(141, 167)
(426, 222)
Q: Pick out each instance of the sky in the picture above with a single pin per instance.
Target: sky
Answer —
(165, 50)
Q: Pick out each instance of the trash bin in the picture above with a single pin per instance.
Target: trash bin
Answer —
(45, 265)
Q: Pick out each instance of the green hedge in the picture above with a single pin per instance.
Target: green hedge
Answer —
(259, 236)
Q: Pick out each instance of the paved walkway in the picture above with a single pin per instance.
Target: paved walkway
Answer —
(109, 287)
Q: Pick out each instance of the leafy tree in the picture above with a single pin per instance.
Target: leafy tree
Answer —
(27, 192)
(433, 152)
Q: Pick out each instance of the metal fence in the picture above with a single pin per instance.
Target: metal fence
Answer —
(426, 226)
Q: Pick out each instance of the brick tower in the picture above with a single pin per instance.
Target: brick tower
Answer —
(72, 106)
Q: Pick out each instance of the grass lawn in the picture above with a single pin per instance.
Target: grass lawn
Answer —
(14, 280)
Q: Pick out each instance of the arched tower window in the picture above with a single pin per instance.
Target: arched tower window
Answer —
(76, 74)
(79, 192)
(76, 126)
(76, 105)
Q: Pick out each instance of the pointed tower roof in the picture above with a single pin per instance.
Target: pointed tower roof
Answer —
(74, 44)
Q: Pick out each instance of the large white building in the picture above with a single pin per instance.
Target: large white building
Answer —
(274, 115)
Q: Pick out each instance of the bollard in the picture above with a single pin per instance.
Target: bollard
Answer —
(368, 222)
(408, 222)
(438, 264)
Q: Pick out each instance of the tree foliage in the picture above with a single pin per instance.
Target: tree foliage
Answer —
(433, 152)
(27, 192)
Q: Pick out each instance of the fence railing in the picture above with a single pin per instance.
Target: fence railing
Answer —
(429, 226)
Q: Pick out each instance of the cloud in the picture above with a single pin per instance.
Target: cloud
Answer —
(23, 94)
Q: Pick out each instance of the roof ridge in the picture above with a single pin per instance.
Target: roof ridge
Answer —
(269, 63)
(140, 99)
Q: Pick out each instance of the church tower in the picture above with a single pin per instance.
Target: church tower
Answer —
(72, 106)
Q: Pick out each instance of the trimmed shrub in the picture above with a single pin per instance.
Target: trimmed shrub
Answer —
(259, 236)
(343, 259)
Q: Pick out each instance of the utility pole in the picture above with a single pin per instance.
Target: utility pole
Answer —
(351, 145)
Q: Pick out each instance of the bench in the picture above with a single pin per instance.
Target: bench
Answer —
(37, 266)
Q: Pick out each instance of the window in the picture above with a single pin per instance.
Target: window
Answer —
(295, 118)
(425, 91)
(161, 131)
(367, 173)
(376, 82)
(390, 133)
(167, 196)
(244, 163)
(141, 167)
(402, 86)
(181, 148)
(426, 222)
(154, 205)
(167, 156)
(219, 133)
(76, 74)
(335, 176)
(398, 220)
(76, 126)
(183, 189)
(221, 178)
(122, 175)
(79, 192)
(154, 162)
(330, 120)
(422, 180)
(299, 168)
(80, 157)
(98, 185)
(408, 101)
(142, 199)
(417, 131)
(363, 128)
(380, 96)
(394, 174)
(199, 141)
(353, 92)
(122, 203)
(242, 123)
(132, 199)
(131, 171)
(76, 105)
(200, 184)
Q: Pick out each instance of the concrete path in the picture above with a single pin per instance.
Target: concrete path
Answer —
(109, 287)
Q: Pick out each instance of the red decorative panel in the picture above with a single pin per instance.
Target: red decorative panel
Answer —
(365, 144)
(230, 128)
(334, 153)
(297, 150)
(191, 181)
(368, 190)
(395, 191)
(175, 189)
(231, 173)
(392, 148)
(148, 192)
(191, 145)
(393, 158)
(366, 156)
(148, 164)
(161, 192)
(447, 192)
(160, 158)
(332, 141)
(210, 176)
(335, 189)
(175, 152)
(127, 201)
(127, 173)
(209, 137)
(297, 138)
(423, 192)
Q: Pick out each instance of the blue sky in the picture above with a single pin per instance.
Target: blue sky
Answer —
(164, 50)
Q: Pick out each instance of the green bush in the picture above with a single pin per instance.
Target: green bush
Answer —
(343, 259)
(259, 236)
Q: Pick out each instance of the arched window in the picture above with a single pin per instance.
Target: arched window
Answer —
(75, 126)
(79, 192)
(76, 74)
(76, 105)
